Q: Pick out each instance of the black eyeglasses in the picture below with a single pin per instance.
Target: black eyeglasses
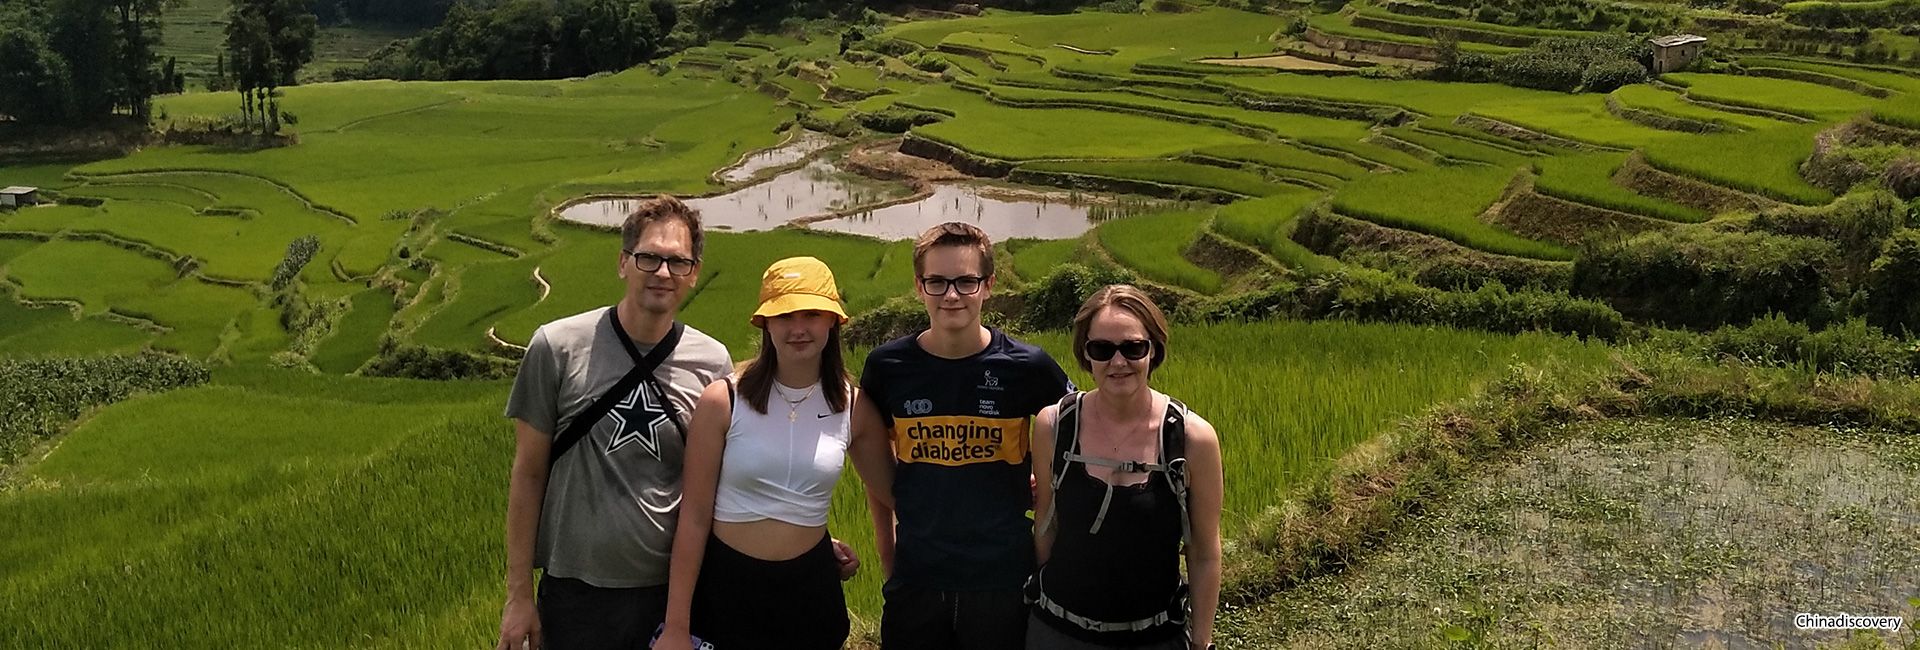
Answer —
(649, 262)
(1133, 350)
(967, 285)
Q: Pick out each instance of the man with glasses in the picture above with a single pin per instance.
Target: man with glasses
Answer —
(941, 440)
(600, 406)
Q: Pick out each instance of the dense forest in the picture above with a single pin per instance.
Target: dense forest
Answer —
(79, 60)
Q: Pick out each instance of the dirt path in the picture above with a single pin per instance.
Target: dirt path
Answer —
(545, 288)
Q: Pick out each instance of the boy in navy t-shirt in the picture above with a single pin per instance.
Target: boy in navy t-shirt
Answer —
(941, 439)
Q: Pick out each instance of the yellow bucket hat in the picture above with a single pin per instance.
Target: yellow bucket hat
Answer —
(797, 284)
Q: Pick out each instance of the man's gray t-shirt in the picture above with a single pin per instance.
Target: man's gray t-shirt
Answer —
(612, 501)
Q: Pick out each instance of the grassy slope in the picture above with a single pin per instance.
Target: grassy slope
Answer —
(103, 277)
(1445, 202)
(1588, 179)
(394, 489)
(1153, 245)
(1268, 223)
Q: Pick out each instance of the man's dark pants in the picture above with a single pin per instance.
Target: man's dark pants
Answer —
(575, 615)
(929, 619)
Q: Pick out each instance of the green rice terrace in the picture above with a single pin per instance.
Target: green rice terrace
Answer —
(1510, 341)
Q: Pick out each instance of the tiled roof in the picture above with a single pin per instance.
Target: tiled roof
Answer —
(1678, 39)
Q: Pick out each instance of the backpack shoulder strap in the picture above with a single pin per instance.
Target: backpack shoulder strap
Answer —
(1174, 447)
(1066, 434)
(1173, 454)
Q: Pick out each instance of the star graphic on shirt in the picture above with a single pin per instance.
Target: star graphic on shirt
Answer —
(648, 417)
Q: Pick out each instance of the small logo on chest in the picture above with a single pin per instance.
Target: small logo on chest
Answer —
(990, 382)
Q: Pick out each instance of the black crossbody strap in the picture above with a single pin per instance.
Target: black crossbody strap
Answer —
(642, 371)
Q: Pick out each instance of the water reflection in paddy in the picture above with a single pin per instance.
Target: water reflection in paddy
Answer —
(802, 145)
(1002, 218)
(821, 188)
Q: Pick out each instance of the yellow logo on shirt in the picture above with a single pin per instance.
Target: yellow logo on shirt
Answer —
(960, 440)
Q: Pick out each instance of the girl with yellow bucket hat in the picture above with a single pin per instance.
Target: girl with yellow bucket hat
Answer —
(752, 563)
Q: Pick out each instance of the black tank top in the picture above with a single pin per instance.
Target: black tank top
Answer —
(1128, 571)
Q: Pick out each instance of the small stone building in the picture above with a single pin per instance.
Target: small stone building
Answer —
(18, 196)
(1674, 52)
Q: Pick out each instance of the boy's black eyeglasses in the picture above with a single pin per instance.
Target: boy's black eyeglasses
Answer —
(649, 262)
(1133, 350)
(967, 285)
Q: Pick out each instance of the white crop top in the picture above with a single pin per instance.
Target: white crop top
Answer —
(780, 468)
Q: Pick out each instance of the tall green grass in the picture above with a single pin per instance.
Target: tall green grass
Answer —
(1339, 25)
(1033, 259)
(104, 277)
(1275, 122)
(53, 331)
(188, 197)
(244, 246)
(1784, 95)
(1889, 78)
(483, 294)
(1461, 149)
(239, 514)
(1902, 112)
(356, 338)
(1027, 134)
(1583, 118)
(1315, 389)
(1206, 32)
(1284, 156)
(1466, 25)
(1587, 178)
(1444, 202)
(1268, 225)
(369, 148)
(1436, 98)
(1762, 162)
(1165, 171)
(1648, 98)
(1155, 245)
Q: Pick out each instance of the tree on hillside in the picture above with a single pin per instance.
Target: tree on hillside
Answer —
(76, 61)
(531, 39)
(139, 32)
(268, 41)
(608, 34)
(249, 56)
(404, 13)
(33, 79)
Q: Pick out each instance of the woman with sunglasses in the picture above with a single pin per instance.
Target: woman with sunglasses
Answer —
(1127, 477)
(752, 564)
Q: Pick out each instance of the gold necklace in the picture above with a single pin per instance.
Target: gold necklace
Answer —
(793, 405)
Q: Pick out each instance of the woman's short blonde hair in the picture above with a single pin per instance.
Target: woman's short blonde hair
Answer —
(1130, 299)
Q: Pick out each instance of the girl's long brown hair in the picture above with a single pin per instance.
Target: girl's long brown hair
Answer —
(756, 382)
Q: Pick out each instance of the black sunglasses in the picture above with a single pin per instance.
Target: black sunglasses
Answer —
(1133, 350)
(649, 262)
